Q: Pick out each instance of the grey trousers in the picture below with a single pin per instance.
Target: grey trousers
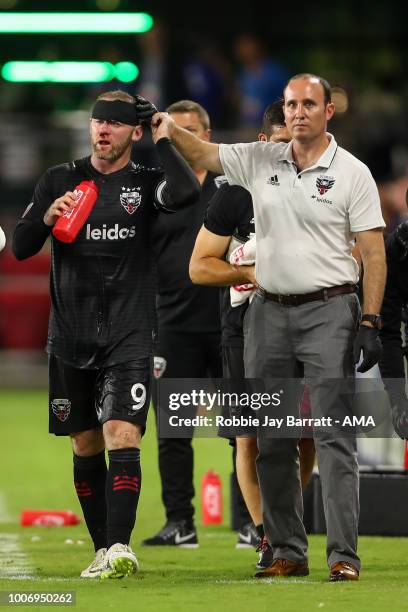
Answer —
(319, 336)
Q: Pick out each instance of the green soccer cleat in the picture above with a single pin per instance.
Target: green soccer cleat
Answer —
(120, 562)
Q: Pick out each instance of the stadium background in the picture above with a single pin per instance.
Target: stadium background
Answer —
(194, 51)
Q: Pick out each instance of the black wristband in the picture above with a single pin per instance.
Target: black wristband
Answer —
(374, 319)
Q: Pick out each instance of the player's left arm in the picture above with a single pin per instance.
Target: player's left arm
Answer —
(180, 186)
(207, 265)
(371, 247)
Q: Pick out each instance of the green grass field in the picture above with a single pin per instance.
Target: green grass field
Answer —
(36, 473)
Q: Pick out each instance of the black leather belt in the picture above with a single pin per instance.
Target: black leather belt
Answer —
(303, 298)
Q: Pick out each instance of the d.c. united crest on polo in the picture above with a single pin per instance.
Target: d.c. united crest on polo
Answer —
(324, 183)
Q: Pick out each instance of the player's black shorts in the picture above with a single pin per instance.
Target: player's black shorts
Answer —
(233, 362)
(82, 399)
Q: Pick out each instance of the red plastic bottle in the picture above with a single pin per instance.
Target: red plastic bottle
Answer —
(48, 518)
(211, 499)
(69, 225)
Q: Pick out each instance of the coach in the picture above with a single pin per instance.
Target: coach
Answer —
(311, 199)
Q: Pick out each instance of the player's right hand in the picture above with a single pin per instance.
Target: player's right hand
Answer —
(61, 205)
(145, 109)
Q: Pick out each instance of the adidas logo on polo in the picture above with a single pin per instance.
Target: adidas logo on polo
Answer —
(273, 180)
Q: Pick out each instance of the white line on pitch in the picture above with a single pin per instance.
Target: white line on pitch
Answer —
(14, 563)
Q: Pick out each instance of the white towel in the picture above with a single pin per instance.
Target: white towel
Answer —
(243, 255)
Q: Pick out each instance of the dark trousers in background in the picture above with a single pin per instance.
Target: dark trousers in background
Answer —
(186, 355)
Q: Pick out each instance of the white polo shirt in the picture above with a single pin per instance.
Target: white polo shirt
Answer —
(304, 220)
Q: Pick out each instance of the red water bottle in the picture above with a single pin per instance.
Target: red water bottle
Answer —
(211, 499)
(69, 225)
(48, 518)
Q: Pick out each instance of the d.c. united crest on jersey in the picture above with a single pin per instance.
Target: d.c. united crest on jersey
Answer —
(130, 198)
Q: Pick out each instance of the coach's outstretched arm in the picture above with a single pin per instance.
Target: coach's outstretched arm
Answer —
(197, 152)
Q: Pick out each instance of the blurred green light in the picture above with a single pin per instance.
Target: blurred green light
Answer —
(68, 72)
(70, 23)
(126, 72)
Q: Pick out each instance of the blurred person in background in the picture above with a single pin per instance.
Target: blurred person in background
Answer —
(229, 222)
(103, 315)
(208, 80)
(391, 182)
(188, 344)
(394, 313)
(260, 79)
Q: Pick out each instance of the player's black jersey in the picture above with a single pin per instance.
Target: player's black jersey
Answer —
(103, 284)
(231, 213)
(181, 305)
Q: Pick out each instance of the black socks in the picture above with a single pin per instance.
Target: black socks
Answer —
(109, 498)
(90, 482)
(122, 493)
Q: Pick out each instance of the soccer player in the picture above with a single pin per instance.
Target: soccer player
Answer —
(103, 314)
(229, 221)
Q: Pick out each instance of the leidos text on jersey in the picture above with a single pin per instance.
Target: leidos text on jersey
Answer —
(110, 233)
